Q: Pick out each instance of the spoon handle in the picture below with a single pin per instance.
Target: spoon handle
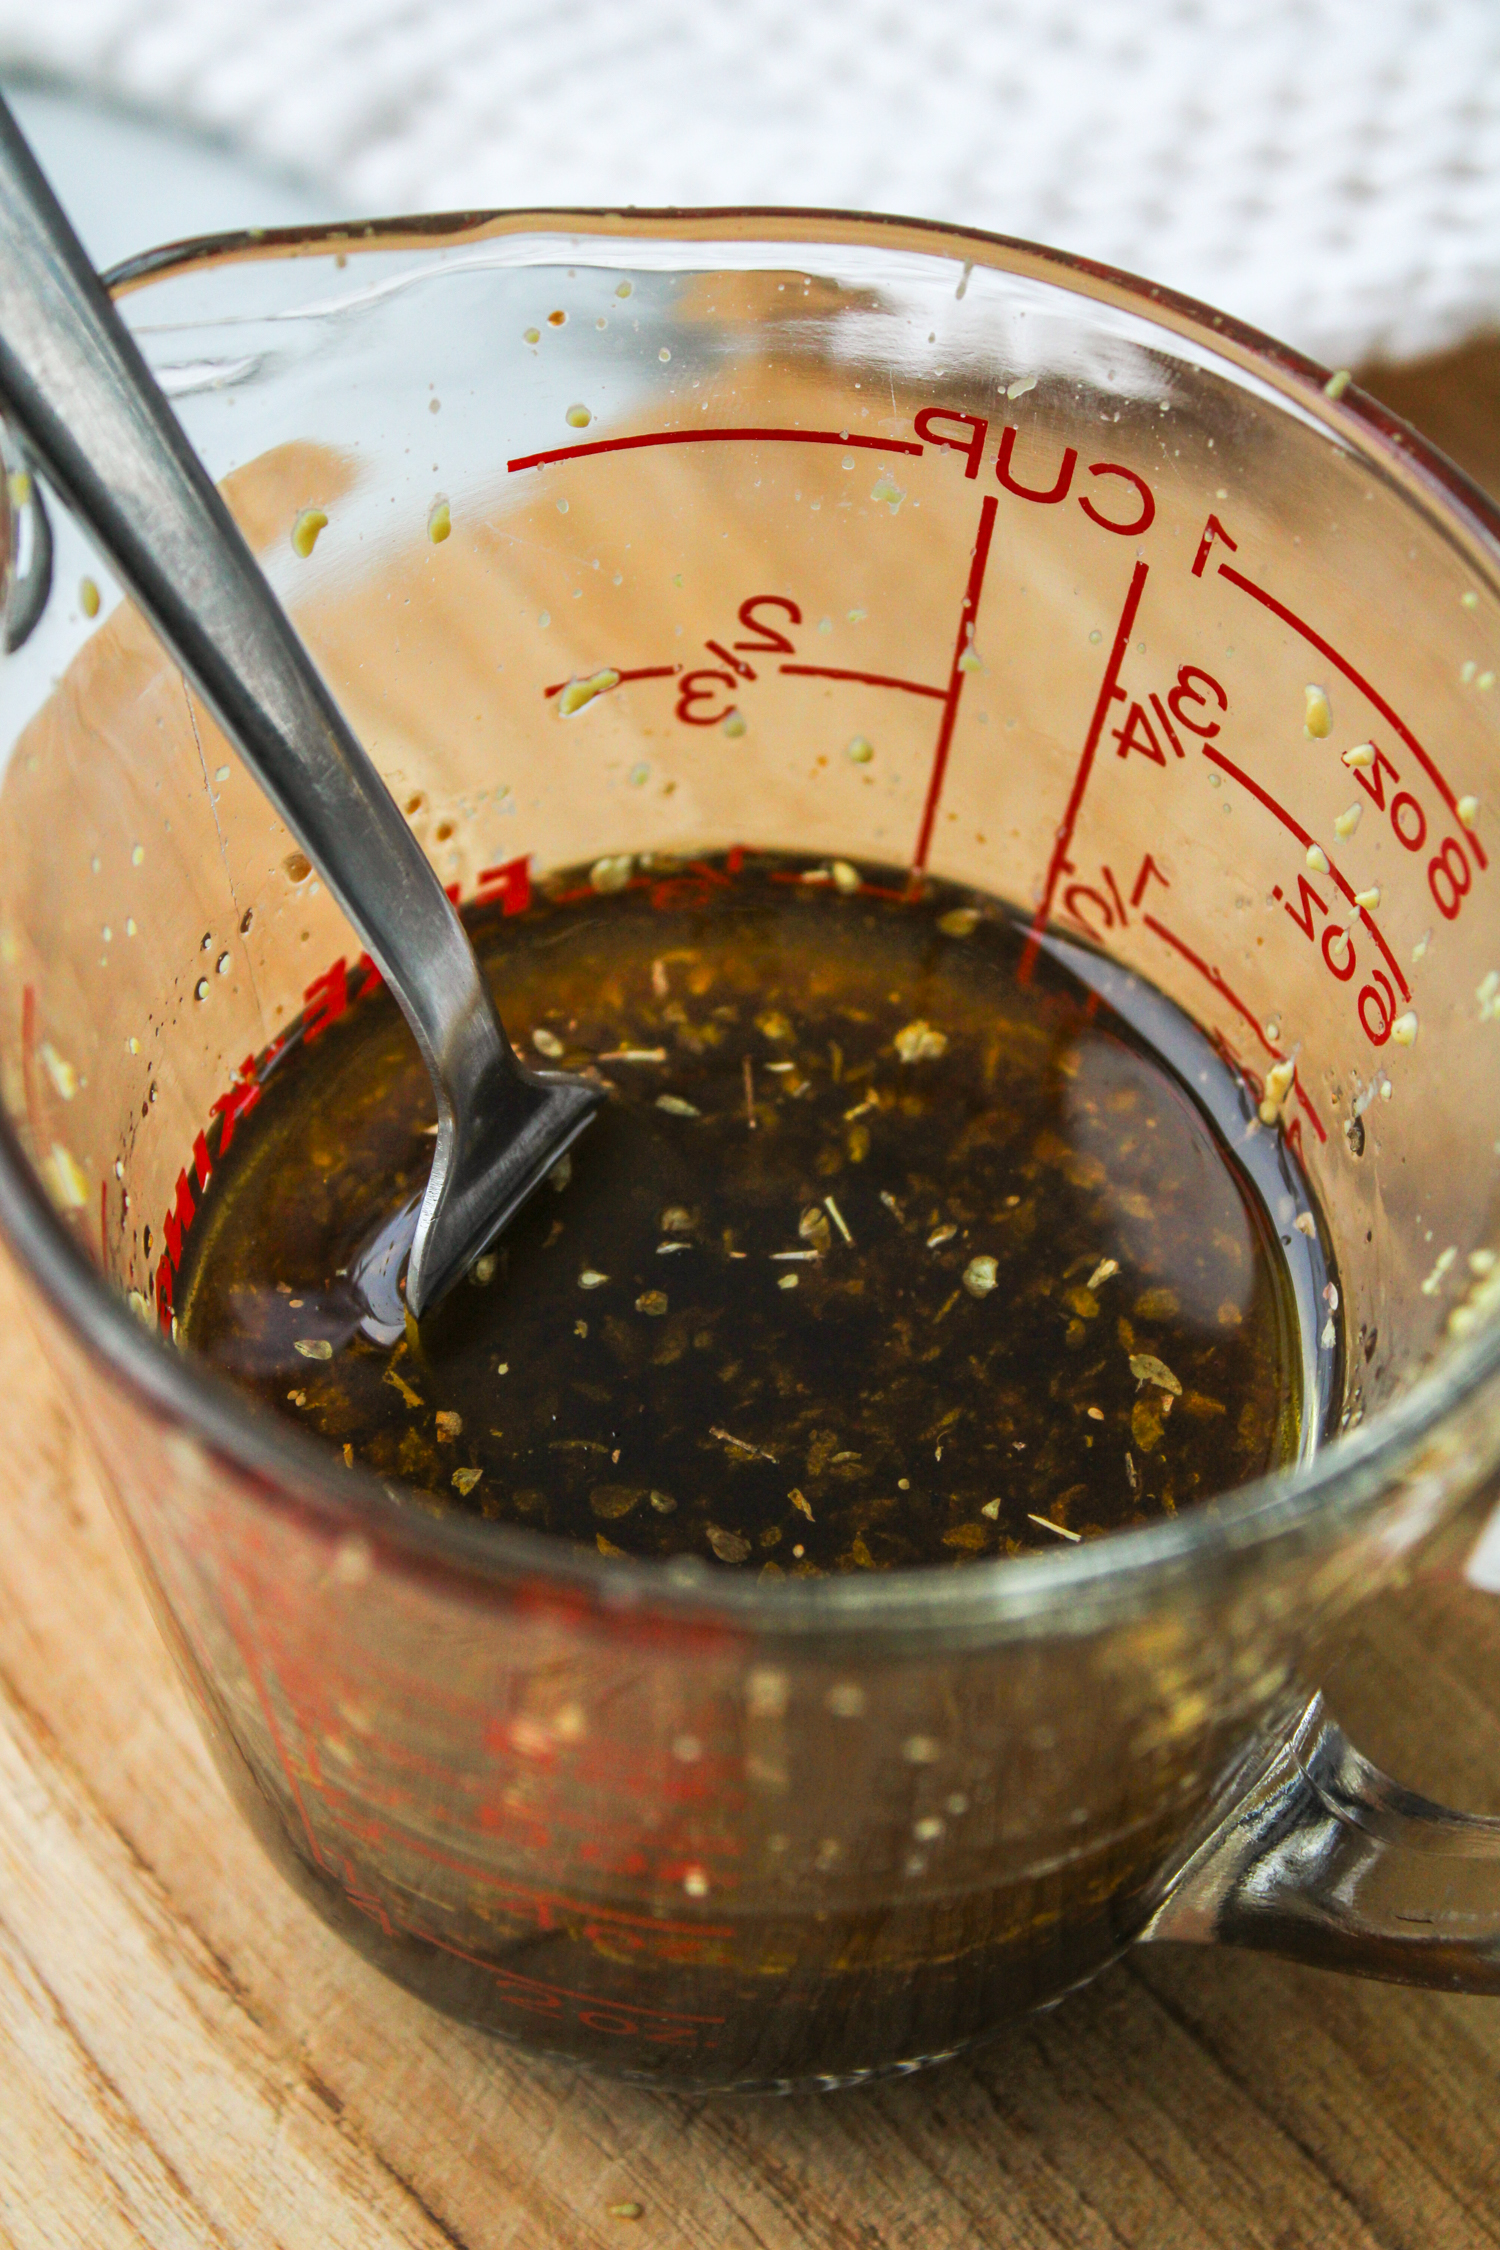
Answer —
(76, 386)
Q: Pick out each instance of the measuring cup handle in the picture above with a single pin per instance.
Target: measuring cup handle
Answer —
(1327, 1861)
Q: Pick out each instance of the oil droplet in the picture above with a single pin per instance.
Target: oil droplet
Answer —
(664, 355)
(439, 522)
(860, 751)
(200, 989)
(531, 335)
(305, 530)
(578, 416)
(88, 597)
(624, 288)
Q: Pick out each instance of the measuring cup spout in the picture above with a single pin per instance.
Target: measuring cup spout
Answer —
(1326, 1860)
(73, 381)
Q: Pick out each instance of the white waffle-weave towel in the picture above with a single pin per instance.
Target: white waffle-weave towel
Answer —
(1328, 169)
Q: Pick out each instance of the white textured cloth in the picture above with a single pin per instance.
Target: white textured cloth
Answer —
(1328, 169)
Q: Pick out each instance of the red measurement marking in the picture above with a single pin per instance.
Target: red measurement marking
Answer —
(646, 672)
(370, 978)
(867, 679)
(770, 643)
(1107, 691)
(1212, 530)
(358, 1819)
(1142, 522)
(597, 2011)
(178, 1219)
(230, 1107)
(1357, 679)
(325, 1000)
(968, 618)
(1226, 992)
(972, 446)
(1167, 727)
(709, 437)
(510, 881)
(1112, 909)
(1295, 828)
(1148, 869)
(672, 892)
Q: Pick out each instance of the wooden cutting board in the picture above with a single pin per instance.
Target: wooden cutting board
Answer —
(187, 2058)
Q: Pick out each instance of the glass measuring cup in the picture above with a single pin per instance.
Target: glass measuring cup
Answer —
(877, 540)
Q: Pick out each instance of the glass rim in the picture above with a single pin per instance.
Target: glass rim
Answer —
(1073, 1590)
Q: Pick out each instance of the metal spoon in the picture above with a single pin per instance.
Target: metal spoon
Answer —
(74, 384)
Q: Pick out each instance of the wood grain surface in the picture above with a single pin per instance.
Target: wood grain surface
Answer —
(188, 2058)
